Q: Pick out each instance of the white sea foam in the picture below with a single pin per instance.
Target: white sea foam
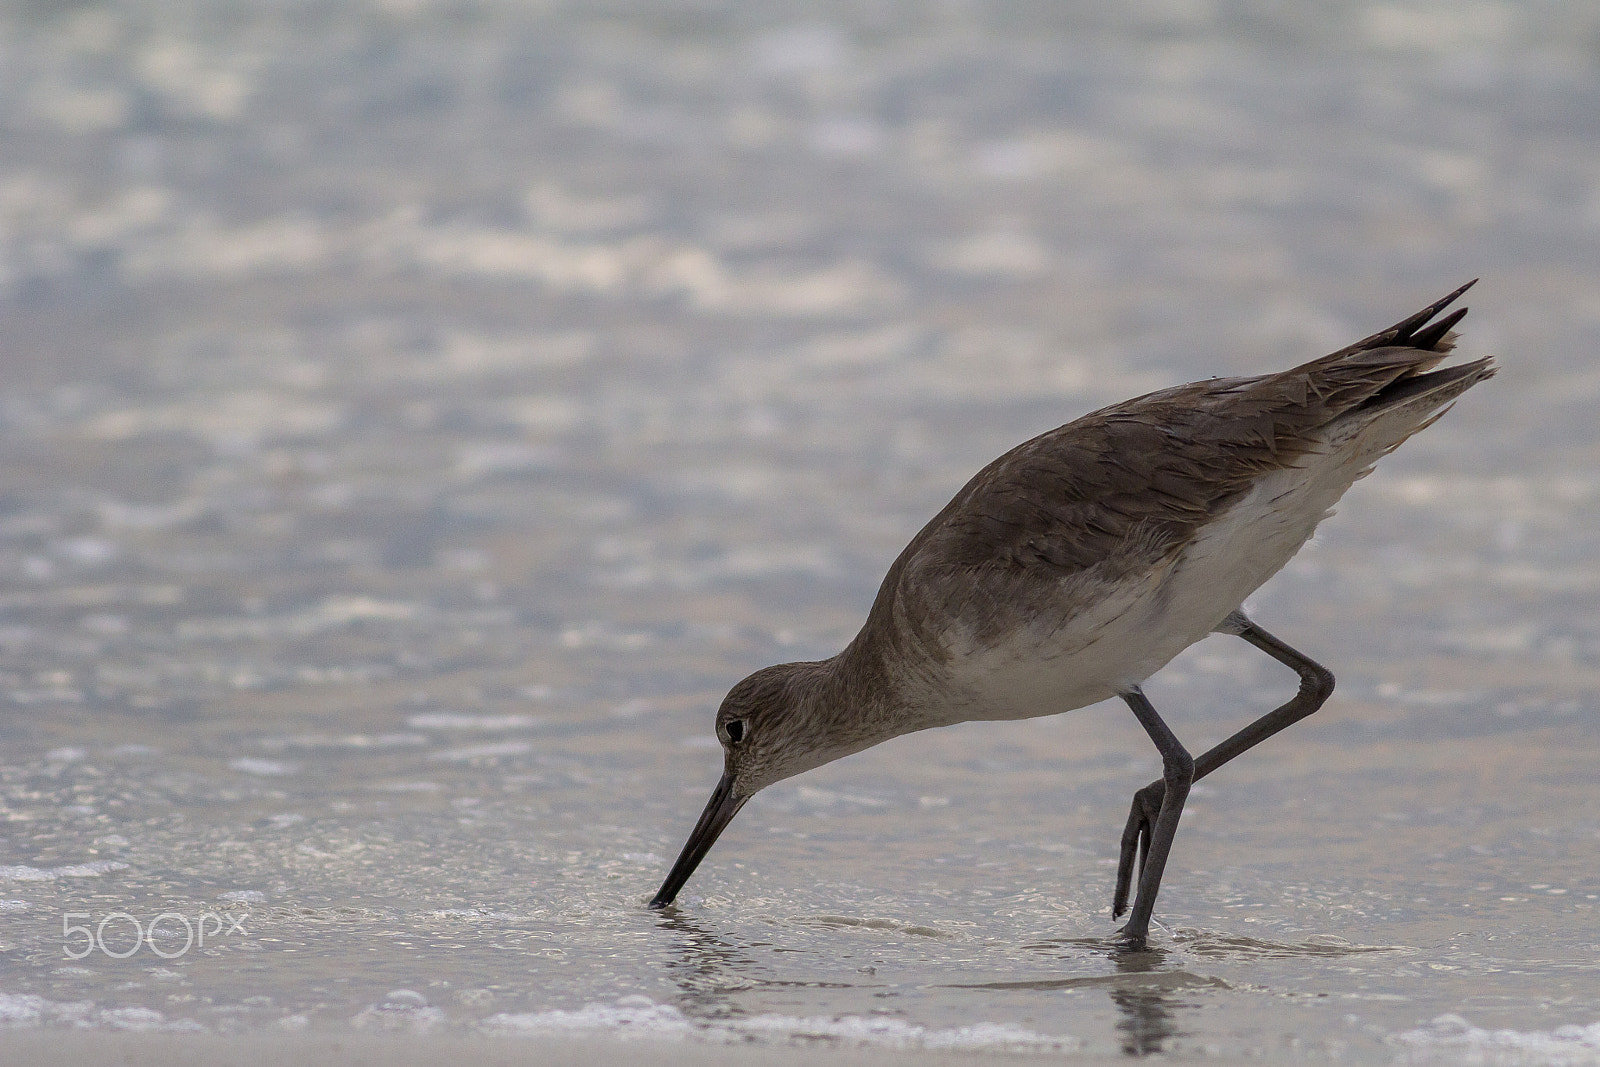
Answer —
(640, 1017)
(92, 869)
(24, 1010)
(402, 1010)
(20, 1009)
(1451, 1038)
(244, 896)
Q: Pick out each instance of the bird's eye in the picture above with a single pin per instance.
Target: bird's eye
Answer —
(734, 730)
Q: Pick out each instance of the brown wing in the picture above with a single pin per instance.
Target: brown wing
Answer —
(1144, 474)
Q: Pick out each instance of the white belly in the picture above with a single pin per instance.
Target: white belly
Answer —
(1134, 628)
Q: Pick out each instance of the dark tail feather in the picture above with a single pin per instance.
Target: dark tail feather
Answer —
(1410, 332)
(1403, 334)
(1436, 334)
(1410, 405)
(1393, 369)
(1440, 386)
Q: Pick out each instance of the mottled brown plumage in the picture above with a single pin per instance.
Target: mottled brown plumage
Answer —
(1145, 474)
(1077, 564)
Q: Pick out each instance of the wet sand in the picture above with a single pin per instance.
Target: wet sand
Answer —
(356, 1050)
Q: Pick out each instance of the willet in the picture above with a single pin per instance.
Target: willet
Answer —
(1076, 565)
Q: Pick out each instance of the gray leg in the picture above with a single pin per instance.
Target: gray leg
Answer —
(1316, 685)
(1177, 772)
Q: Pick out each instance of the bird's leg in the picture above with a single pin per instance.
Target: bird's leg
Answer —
(1316, 684)
(1177, 772)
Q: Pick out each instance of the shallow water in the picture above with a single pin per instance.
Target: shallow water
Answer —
(415, 416)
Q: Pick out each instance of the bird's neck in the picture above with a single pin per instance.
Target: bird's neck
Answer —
(862, 695)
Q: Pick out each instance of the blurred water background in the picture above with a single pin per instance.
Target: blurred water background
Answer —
(414, 415)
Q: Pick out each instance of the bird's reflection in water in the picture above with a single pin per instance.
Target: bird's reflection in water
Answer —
(1147, 1008)
(709, 967)
(1145, 989)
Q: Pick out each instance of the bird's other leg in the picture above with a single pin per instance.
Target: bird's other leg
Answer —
(1177, 772)
(1316, 685)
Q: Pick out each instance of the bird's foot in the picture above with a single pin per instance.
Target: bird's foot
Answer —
(1136, 841)
(1126, 940)
(1124, 936)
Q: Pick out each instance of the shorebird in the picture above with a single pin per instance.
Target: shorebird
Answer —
(1078, 564)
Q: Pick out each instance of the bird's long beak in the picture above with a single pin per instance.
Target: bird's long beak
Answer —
(724, 805)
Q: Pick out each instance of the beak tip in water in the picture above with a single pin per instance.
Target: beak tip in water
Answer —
(724, 805)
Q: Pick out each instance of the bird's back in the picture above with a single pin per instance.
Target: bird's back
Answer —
(1111, 543)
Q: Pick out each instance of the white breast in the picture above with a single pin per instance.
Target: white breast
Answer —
(1137, 626)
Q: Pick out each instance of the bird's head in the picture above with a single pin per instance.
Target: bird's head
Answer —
(773, 725)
